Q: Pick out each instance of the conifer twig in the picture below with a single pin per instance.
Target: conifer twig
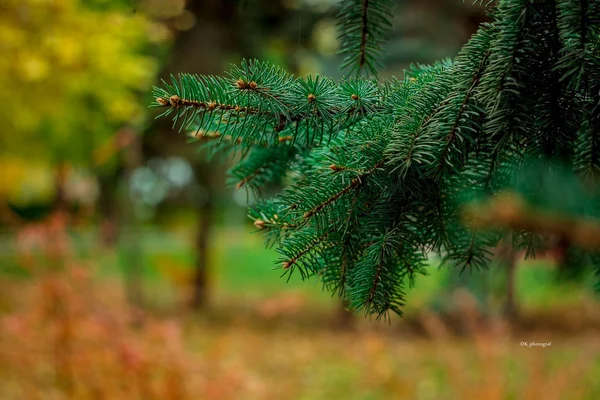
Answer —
(353, 184)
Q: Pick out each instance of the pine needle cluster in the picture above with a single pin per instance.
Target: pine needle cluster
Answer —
(377, 172)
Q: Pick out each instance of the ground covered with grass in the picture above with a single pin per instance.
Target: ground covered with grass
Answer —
(70, 332)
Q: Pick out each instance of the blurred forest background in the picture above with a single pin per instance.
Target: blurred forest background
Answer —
(128, 268)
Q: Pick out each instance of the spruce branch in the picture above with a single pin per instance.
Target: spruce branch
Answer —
(263, 167)
(363, 26)
(354, 184)
(377, 278)
(265, 103)
(302, 254)
(377, 173)
(461, 112)
(217, 136)
(579, 31)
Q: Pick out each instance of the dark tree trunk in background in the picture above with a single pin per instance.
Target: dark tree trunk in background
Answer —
(344, 319)
(508, 259)
(131, 246)
(201, 293)
(512, 311)
(60, 203)
(108, 183)
(200, 50)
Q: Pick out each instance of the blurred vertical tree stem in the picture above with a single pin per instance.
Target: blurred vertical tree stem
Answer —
(107, 207)
(201, 49)
(201, 284)
(512, 311)
(508, 259)
(131, 240)
(60, 204)
(344, 319)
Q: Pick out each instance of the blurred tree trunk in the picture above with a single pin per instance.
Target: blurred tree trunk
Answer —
(200, 50)
(108, 183)
(201, 292)
(511, 309)
(508, 259)
(201, 283)
(131, 247)
(344, 319)
(60, 203)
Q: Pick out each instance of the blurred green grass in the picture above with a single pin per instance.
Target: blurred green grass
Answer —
(240, 267)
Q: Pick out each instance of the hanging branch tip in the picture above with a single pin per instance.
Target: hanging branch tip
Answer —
(162, 102)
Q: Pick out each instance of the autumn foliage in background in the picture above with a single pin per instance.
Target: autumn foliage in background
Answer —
(71, 73)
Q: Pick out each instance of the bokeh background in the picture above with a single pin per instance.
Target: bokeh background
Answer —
(128, 268)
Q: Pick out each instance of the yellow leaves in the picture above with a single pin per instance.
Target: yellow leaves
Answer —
(32, 67)
(10, 36)
(23, 181)
(67, 50)
(69, 70)
(122, 109)
(138, 74)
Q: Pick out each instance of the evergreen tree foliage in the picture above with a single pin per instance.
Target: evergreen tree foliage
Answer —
(364, 26)
(377, 173)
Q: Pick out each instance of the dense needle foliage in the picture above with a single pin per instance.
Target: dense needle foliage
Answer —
(376, 173)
